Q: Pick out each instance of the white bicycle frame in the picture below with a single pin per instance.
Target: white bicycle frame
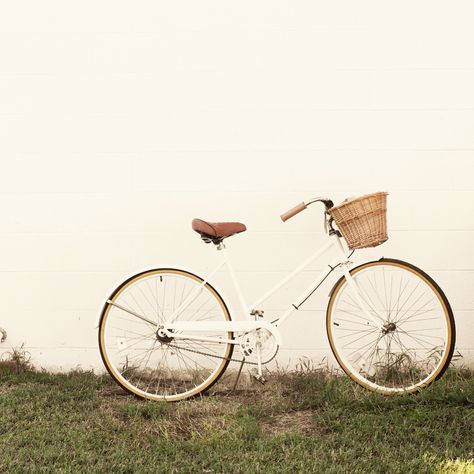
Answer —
(250, 315)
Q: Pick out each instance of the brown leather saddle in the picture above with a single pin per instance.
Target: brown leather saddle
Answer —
(216, 232)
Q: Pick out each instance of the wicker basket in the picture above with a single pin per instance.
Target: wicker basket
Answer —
(363, 221)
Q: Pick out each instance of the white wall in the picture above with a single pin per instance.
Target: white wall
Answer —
(121, 121)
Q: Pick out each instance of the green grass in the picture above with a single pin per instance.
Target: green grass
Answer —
(304, 422)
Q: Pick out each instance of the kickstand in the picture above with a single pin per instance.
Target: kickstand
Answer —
(238, 374)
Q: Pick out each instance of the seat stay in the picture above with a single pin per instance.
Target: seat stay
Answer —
(195, 293)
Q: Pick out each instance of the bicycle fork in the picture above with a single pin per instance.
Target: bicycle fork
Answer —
(355, 290)
(361, 300)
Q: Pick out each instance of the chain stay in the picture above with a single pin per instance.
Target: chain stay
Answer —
(230, 359)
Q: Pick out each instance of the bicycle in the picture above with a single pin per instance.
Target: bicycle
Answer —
(167, 334)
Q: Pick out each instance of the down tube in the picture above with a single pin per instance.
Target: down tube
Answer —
(298, 270)
(308, 292)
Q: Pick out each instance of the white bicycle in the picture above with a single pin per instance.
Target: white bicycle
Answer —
(166, 334)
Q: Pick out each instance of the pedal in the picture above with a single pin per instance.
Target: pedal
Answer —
(259, 378)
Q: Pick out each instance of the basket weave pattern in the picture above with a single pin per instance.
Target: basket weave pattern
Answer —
(363, 221)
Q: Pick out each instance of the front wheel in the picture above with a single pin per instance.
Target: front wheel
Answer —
(146, 363)
(413, 341)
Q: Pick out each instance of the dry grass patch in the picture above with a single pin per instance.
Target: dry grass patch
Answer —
(297, 422)
(16, 360)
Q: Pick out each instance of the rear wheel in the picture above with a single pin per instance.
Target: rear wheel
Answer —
(413, 341)
(144, 362)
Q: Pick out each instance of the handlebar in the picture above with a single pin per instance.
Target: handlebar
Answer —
(292, 212)
(302, 206)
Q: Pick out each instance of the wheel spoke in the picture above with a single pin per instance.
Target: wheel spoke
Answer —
(149, 364)
(411, 349)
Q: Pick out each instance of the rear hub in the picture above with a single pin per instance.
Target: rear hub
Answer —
(163, 337)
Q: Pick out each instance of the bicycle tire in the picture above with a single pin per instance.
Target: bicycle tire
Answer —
(359, 371)
(113, 362)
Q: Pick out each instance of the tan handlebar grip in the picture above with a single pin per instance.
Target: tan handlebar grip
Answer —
(292, 212)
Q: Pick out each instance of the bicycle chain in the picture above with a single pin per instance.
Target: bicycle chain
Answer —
(230, 359)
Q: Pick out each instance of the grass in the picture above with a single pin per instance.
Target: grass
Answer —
(302, 422)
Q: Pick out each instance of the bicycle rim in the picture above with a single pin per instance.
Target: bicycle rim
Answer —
(154, 367)
(412, 344)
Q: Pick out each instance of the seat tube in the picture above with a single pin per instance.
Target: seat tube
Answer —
(235, 282)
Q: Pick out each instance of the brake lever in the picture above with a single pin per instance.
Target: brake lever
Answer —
(327, 202)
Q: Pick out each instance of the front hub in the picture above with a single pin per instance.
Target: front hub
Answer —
(389, 327)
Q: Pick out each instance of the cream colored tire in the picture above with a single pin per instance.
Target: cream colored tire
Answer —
(155, 368)
(416, 344)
